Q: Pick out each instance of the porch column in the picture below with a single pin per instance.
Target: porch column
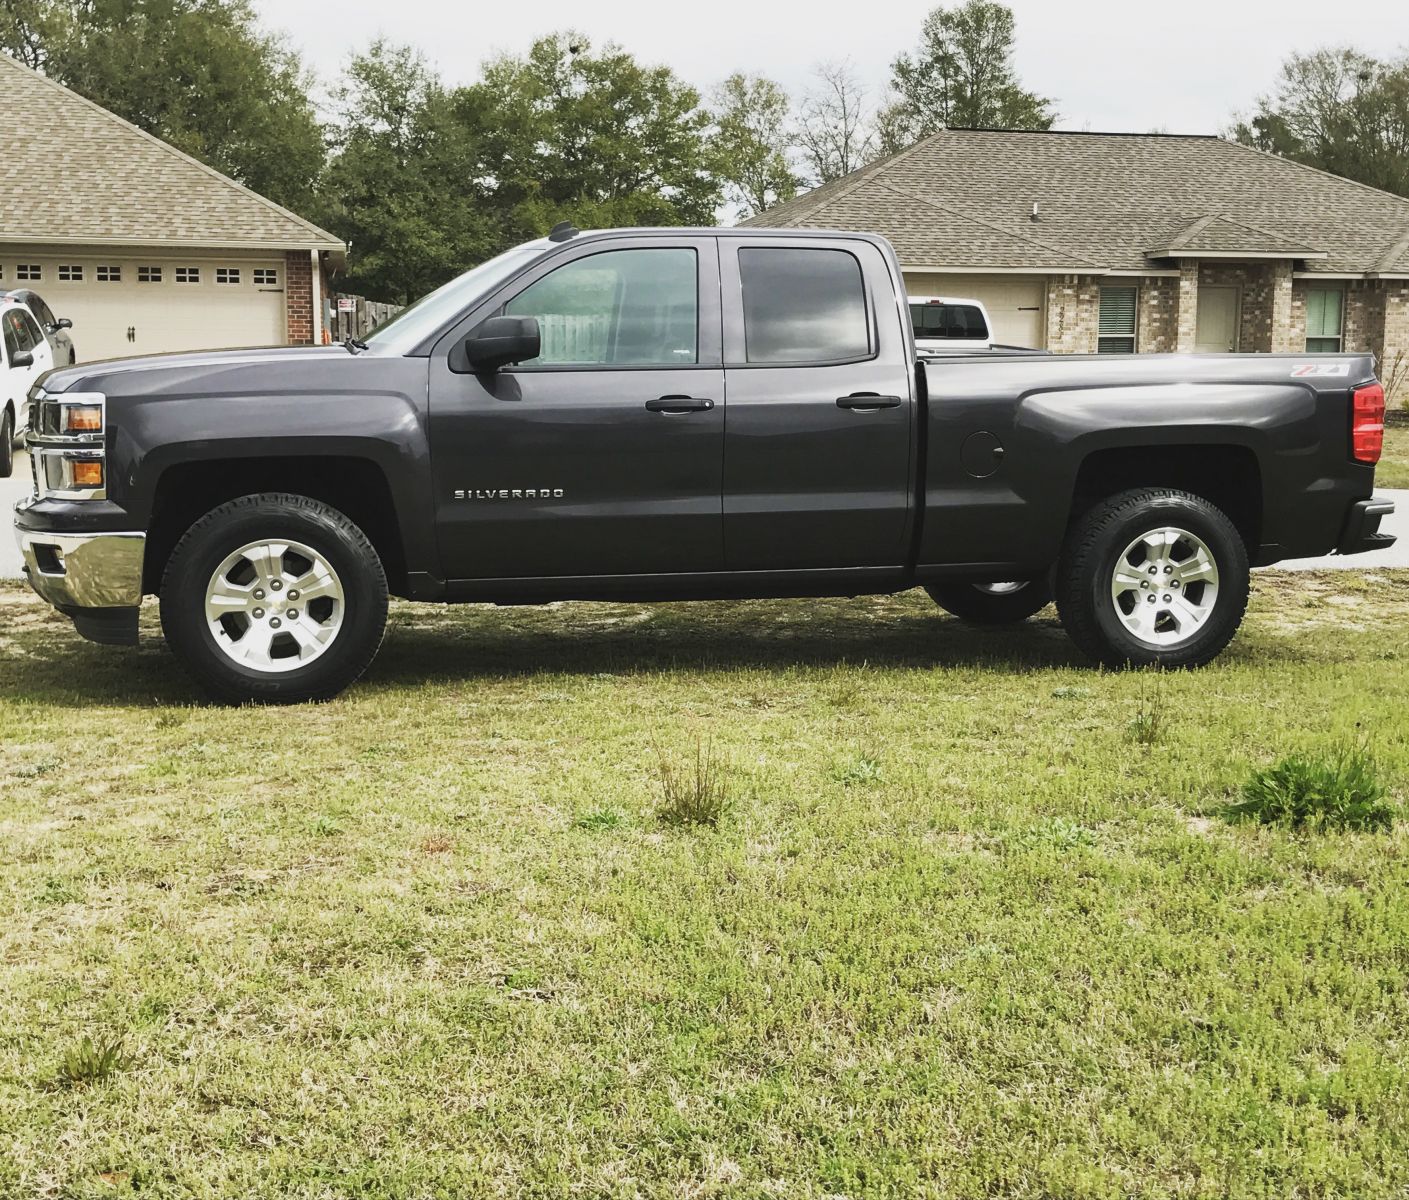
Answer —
(1188, 309)
(1280, 286)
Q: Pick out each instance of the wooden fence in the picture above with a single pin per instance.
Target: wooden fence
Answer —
(355, 316)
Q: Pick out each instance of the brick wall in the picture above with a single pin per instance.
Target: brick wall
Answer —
(1394, 358)
(1188, 307)
(1157, 330)
(1073, 313)
(298, 296)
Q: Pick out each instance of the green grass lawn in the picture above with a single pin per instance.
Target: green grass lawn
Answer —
(1393, 470)
(958, 933)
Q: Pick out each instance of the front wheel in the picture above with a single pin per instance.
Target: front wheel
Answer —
(1153, 577)
(993, 603)
(274, 598)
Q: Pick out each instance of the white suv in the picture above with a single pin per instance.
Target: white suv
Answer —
(25, 354)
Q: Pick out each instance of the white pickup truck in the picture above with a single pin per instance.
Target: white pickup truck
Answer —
(947, 325)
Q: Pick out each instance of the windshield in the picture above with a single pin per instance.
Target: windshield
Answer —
(412, 325)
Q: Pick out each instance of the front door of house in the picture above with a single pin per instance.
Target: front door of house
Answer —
(1217, 328)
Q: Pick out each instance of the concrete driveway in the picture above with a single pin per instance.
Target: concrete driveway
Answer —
(18, 486)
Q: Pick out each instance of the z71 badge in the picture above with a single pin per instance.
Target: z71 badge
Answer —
(508, 493)
(1301, 370)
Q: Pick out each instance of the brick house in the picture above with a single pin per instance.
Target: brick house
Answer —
(1145, 243)
(142, 247)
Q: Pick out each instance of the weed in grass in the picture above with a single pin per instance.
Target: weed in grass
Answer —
(692, 793)
(324, 826)
(57, 891)
(87, 1061)
(1070, 693)
(1148, 724)
(1339, 790)
(861, 771)
(596, 822)
(1060, 834)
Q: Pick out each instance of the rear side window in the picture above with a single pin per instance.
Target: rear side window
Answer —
(802, 305)
(948, 321)
(619, 308)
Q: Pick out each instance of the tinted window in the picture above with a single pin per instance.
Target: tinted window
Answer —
(622, 307)
(948, 321)
(12, 341)
(22, 329)
(802, 305)
(40, 309)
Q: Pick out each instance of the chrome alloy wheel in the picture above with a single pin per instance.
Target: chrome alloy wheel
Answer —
(1164, 586)
(274, 606)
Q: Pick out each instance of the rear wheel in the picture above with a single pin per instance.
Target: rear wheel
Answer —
(1153, 577)
(274, 598)
(993, 603)
(7, 444)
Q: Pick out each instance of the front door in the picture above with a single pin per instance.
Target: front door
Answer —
(1217, 329)
(819, 437)
(603, 456)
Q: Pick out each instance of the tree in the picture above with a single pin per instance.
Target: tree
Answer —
(751, 142)
(197, 73)
(1339, 110)
(401, 186)
(962, 76)
(599, 139)
(834, 127)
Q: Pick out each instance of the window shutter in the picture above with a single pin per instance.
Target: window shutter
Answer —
(1118, 312)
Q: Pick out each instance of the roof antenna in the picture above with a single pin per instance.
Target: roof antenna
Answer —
(563, 231)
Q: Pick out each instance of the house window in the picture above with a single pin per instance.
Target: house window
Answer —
(109, 274)
(70, 273)
(188, 274)
(1323, 320)
(265, 278)
(1116, 328)
(148, 274)
(227, 274)
(28, 271)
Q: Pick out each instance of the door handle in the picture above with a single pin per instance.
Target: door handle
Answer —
(868, 401)
(679, 404)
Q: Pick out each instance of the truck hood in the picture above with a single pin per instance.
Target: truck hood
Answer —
(121, 374)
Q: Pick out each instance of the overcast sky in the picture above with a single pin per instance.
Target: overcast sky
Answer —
(1179, 65)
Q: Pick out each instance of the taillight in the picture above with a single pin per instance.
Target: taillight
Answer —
(1367, 423)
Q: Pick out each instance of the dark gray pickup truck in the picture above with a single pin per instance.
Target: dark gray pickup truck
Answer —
(674, 414)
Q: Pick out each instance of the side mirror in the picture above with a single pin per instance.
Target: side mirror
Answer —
(63, 323)
(500, 341)
(22, 358)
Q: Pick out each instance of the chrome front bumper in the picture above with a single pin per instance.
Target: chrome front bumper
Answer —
(89, 570)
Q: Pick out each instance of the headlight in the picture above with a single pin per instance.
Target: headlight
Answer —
(66, 443)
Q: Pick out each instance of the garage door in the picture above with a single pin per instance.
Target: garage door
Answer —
(125, 306)
(1015, 304)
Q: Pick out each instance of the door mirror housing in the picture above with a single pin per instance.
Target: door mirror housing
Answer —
(22, 358)
(500, 341)
(63, 323)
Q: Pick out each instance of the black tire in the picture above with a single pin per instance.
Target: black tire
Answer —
(1091, 613)
(7, 444)
(993, 604)
(273, 516)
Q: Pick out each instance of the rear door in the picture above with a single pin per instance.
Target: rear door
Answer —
(818, 443)
(603, 456)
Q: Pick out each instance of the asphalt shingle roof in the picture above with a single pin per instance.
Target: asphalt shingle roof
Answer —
(72, 172)
(963, 198)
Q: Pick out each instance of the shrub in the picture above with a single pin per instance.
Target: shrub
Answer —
(692, 793)
(1340, 790)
